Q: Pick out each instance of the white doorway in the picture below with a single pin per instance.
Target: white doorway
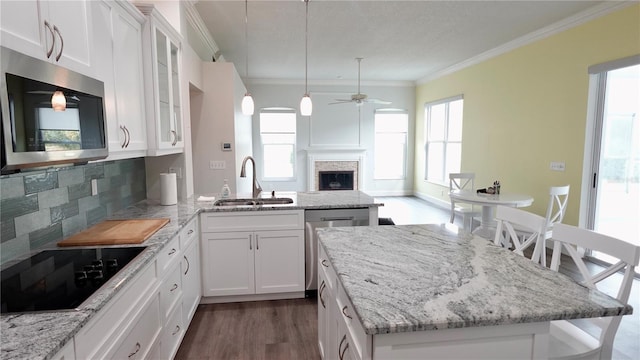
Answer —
(613, 174)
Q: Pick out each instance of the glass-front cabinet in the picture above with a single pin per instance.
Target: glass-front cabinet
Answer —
(162, 79)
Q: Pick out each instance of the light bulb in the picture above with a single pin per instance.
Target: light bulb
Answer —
(306, 107)
(247, 104)
(58, 101)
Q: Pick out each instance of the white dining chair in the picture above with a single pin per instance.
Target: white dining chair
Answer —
(463, 181)
(569, 339)
(508, 219)
(556, 208)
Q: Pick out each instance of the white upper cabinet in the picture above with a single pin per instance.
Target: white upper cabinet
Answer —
(162, 61)
(118, 60)
(56, 31)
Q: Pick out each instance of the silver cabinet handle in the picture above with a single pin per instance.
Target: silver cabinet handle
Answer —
(124, 142)
(127, 136)
(340, 353)
(173, 251)
(135, 352)
(344, 312)
(324, 263)
(250, 248)
(176, 331)
(53, 38)
(175, 138)
(188, 265)
(322, 287)
(56, 30)
(257, 243)
(173, 288)
(344, 351)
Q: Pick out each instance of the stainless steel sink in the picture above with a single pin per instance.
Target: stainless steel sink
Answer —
(252, 202)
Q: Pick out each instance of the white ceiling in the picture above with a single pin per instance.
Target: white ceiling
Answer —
(399, 40)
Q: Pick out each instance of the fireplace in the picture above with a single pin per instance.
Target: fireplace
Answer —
(335, 180)
(338, 165)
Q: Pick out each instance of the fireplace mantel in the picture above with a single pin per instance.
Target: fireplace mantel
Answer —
(317, 154)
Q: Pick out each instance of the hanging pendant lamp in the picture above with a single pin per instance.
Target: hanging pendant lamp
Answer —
(247, 100)
(306, 106)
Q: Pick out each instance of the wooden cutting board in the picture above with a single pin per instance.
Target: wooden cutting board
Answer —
(116, 232)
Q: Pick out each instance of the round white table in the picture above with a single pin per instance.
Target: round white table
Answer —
(489, 202)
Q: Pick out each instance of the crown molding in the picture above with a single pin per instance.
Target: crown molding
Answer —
(558, 27)
(195, 20)
(336, 82)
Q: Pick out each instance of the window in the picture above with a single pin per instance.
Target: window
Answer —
(278, 138)
(390, 153)
(59, 130)
(443, 127)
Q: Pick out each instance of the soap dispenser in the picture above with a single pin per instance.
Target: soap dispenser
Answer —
(226, 191)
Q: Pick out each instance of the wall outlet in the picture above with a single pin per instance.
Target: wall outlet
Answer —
(177, 171)
(557, 166)
(217, 164)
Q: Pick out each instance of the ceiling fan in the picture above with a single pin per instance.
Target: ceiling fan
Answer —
(360, 98)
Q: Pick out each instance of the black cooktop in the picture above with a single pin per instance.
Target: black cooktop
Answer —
(60, 279)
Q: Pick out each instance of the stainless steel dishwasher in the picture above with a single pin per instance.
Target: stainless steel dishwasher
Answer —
(315, 219)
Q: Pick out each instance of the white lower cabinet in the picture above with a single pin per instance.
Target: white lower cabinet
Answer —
(253, 253)
(146, 319)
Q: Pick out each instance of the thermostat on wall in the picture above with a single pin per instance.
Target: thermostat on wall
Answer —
(226, 146)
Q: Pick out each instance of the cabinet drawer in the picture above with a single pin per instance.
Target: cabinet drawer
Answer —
(139, 342)
(172, 333)
(189, 233)
(109, 324)
(254, 220)
(168, 255)
(170, 290)
(359, 341)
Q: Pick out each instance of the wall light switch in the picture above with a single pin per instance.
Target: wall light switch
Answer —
(177, 171)
(94, 187)
(557, 166)
(217, 164)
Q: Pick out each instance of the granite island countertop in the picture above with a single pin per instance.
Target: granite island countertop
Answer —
(430, 277)
(40, 335)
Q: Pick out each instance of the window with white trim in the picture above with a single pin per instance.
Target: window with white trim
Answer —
(278, 139)
(443, 134)
(390, 152)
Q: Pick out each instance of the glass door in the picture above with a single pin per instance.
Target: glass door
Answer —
(615, 199)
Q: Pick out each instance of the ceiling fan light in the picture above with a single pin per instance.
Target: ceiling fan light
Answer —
(247, 104)
(306, 107)
(58, 101)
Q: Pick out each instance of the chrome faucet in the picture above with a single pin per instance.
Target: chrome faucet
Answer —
(243, 173)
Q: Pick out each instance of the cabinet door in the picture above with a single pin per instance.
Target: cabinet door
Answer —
(279, 261)
(190, 281)
(323, 315)
(70, 21)
(129, 81)
(21, 28)
(168, 80)
(228, 263)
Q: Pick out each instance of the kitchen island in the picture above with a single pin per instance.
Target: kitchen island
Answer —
(50, 334)
(437, 291)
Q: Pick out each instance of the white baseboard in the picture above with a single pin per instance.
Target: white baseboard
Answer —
(433, 200)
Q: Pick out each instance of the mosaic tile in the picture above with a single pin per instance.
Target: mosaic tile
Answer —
(53, 197)
(8, 230)
(46, 235)
(14, 207)
(40, 182)
(28, 223)
(79, 191)
(64, 211)
(11, 187)
(69, 177)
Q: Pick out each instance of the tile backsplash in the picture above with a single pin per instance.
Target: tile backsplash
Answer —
(39, 208)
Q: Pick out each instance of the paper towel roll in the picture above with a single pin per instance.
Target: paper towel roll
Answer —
(168, 189)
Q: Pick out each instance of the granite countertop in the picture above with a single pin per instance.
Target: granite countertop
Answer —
(40, 335)
(430, 277)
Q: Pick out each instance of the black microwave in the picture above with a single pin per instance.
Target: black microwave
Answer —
(50, 115)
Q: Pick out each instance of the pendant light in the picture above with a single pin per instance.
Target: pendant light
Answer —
(305, 104)
(247, 100)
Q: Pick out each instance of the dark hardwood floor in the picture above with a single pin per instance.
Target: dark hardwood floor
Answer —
(287, 329)
(278, 330)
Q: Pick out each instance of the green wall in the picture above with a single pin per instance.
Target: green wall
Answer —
(528, 107)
